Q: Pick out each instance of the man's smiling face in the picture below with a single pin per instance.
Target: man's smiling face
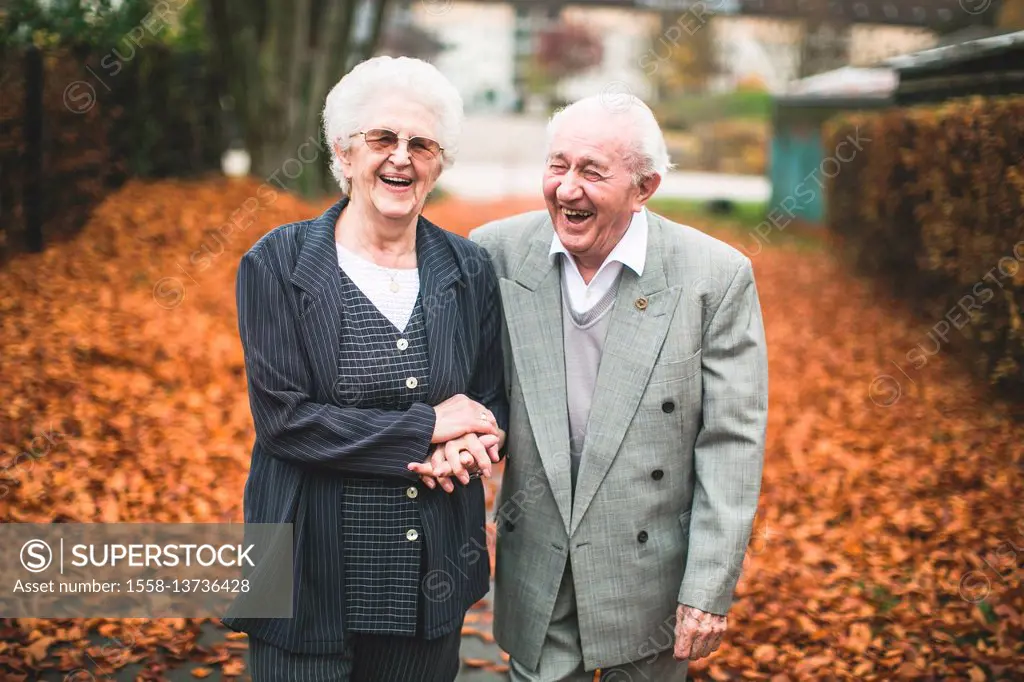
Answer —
(588, 184)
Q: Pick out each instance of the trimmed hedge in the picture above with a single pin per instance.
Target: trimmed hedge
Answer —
(108, 114)
(934, 207)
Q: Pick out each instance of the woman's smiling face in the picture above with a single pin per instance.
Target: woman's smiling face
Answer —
(394, 181)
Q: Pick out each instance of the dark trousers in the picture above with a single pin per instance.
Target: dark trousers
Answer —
(367, 658)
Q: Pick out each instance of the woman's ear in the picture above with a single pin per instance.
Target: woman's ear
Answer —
(344, 160)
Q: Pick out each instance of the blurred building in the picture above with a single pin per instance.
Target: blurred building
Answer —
(488, 43)
(799, 163)
(991, 66)
(871, 44)
(480, 48)
(626, 34)
(750, 48)
(772, 49)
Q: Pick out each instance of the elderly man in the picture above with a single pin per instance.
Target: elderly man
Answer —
(636, 365)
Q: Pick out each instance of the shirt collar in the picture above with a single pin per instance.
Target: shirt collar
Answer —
(631, 250)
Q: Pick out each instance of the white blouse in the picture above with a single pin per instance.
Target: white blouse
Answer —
(392, 290)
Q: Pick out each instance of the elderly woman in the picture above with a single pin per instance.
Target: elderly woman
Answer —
(373, 355)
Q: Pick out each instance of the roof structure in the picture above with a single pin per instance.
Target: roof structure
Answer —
(849, 86)
(848, 80)
(989, 66)
(923, 13)
(971, 50)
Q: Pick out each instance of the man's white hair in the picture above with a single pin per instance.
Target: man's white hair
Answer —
(648, 154)
(348, 100)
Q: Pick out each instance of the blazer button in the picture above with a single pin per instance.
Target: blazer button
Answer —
(411, 492)
(657, 474)
(668, 407)
(641, 536)
(411, 383)
(412, 535)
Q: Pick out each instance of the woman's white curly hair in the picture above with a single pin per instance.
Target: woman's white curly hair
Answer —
(413, 78)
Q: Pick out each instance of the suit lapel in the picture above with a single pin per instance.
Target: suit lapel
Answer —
(635, 337)
(316, 273)
(439, 271)
(532, 303)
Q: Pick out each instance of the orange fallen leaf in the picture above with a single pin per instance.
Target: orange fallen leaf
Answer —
(235, 666)
(37, 650)
(477, 662)
(716, 673)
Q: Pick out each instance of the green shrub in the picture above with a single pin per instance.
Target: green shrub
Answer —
(686, 111)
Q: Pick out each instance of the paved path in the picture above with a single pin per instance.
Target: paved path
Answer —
(472, 648)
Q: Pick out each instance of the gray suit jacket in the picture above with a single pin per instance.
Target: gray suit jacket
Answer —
(671, 467)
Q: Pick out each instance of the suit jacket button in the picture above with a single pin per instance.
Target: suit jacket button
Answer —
(668, 407)
(657, 474)
(411, 492)
(641, 536)
(412, 535)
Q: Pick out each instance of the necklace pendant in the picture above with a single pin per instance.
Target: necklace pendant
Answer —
(395, 287)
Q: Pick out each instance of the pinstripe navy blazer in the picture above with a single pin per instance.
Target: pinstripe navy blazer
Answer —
(307, 441)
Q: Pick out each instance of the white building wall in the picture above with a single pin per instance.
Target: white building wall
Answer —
(479, 55)
(871, 43)
(756, 47)
(626, 36)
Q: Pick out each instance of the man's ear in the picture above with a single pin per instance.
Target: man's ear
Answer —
(645, 190)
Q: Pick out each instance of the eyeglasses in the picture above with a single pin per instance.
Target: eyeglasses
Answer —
(384, 140)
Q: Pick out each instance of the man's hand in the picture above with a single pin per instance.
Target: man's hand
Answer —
(462, 458)
(698, 634)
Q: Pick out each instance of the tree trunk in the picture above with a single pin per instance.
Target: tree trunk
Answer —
(278, 60)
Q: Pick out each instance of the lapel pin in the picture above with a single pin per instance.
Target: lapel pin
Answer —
(640, 303)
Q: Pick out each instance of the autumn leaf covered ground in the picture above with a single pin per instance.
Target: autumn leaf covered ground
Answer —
(889, 543)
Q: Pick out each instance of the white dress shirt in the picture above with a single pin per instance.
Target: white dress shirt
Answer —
(631, 251)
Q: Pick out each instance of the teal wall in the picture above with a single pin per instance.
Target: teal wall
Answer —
(796, 153)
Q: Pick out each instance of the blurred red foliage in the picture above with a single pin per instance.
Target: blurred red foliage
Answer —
(567, 48)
